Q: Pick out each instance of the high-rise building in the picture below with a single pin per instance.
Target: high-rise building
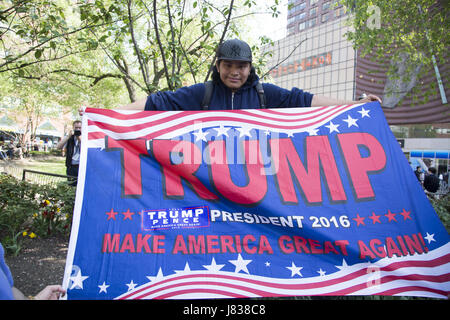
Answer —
(315, 56)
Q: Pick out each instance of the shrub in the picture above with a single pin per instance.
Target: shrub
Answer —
(30, 210)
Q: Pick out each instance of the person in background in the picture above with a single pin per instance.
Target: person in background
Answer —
(72, 144)
(431, 182)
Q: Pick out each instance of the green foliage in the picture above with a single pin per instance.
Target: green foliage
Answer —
(98, 52)
(30, 210)
(442, 207)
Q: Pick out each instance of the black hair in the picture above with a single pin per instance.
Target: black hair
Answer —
(251, 77)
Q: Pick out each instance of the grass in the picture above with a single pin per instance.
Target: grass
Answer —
(48, 164)
(51, 165)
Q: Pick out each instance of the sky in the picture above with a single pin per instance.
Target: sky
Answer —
(266, 25)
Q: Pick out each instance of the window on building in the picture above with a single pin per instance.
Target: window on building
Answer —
(325, 17)
(312, 22)
(302, 25)
(291, 30)
(313, 2)
(339, 12)
(299, 7)
(313, 12)
(326, 5)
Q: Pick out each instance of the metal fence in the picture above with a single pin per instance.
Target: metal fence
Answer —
(37, 177)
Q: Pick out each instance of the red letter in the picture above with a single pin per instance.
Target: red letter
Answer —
(256, 187)
(247, 249)
(173, 173)
(359, 167)
(318, 151)
(285, 247)
(131, 164)
(364, 251)
(142, 243)
(110, 245)
(127, 244)
(179, 245)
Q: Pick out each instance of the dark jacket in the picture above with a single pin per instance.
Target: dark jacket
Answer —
(191, 97)
(69, 150)
(431, 183)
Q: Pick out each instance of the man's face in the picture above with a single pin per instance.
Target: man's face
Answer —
(76, 127)
(233, 73)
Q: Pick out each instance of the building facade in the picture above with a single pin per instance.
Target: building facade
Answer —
(315, 56)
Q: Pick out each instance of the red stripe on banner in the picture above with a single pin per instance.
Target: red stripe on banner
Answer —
(128, 129)
(390, 278)
(137, 127)
(120, 116)
(201, 290)
(96, 135)
(244, 112)
(394, 266)
(391, 292)
(273, 111)
(200, 283)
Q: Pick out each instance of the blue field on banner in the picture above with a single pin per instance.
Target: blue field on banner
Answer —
(250, 203)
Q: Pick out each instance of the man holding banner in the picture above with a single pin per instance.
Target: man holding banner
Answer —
(185, 203)
(235, 86)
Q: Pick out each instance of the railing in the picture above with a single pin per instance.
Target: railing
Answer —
(40, 177)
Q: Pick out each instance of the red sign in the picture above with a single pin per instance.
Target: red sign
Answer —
(316, 61)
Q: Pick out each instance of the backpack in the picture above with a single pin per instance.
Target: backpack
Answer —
(209, 88)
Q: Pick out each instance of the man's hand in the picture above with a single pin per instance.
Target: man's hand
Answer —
(51, 293)
(370, 98)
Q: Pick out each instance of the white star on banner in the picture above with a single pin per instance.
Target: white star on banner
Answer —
(343, 266)
(240, 264)
(244, 131)
(295, 270)
(267, 264)
(156, 278)
(312, 131)
(321, 272)
(78, 280)
(333, 127)
(222, 131)
(200, 135)
(103, 287)
(213, 267)
(186, 269)
(430, 237)
(131, 285)
(364, 112)
(350, 121)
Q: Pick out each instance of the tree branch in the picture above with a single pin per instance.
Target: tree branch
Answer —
(163, 55)
(142, 63)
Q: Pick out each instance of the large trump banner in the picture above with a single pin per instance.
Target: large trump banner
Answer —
(250, 203)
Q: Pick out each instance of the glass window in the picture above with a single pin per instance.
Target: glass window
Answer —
(302, 25)
(312, 22)
(325, 17)
(313, 2)
(313, 11)
(300, 16)
(326, 5)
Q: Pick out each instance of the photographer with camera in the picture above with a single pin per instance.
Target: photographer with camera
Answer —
(72, 144)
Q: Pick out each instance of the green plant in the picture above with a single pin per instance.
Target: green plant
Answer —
(33, 210)
(442, 208)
